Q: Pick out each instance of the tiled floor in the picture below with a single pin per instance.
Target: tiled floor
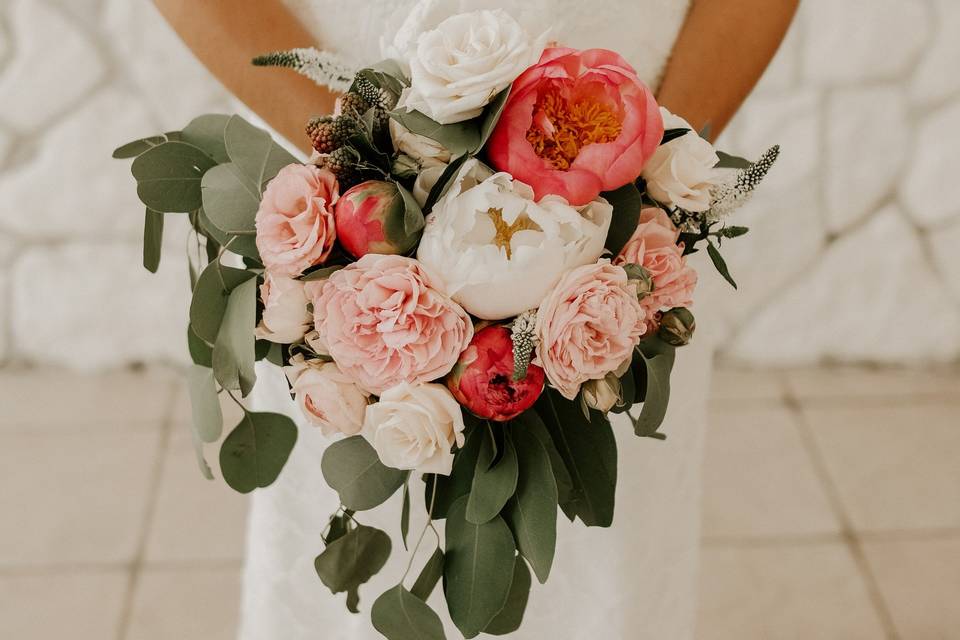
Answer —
(831, 510)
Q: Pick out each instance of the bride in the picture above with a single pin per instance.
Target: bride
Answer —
(634, 580)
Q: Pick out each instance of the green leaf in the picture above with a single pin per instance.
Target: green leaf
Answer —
(152, 239)
(243, 245)
(206, 132)
(412, 215)
(205, 404)
(493, 484)
(234, 352)
(352, 468)
(201, 353)
(254, 152)
(168, 176)
(627, 203)
(405, 515)
(229, 200)
(429, 576)
(443, 183)
(672, 134)
(532, 422)
(459, 138)
(201, 460)
(353, 559)
(720, 263)
(210, 298)
(478, 569)
(728, 161)
(458, 483)
(322, 273)
(628, 391)
(532, 512)
(658, 357)
(399, 615)
(256, 450)
(135, 148)
(589, 451)
(511, 616)
(491, 116)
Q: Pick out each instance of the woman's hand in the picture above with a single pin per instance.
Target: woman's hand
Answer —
(721, 52)
(226, 34)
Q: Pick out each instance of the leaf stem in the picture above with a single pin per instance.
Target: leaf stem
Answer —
(429, 525)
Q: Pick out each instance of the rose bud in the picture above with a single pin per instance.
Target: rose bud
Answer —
(644, 281)
(602, 394)
(677, 326)
(370, 219)
(482, 380)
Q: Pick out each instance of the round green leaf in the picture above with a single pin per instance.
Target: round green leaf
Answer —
(478, 569)
(352, 559)
(492, 485)
(210, 297)
(205, 405)
(229, 200)
(254, 152)
(168, 176)
(206, 132)
(510, 618)
(234, 352)
(399, 615)
(256, 450)
(352, 468)
(532, 512)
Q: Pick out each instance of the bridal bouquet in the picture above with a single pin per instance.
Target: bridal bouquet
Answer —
(484, 258)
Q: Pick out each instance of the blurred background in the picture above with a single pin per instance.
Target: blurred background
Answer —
(832, 480)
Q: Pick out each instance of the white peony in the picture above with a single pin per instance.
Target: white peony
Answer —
(464, 61)
(681, 172)
(427, 152)
(327, 397)
(415, 427)
(285, 315)
(497, 251)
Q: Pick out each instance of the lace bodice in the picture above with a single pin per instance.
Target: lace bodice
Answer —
(642, 31)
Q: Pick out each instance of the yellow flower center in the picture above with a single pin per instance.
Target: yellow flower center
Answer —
(504, 232)
(561, 127)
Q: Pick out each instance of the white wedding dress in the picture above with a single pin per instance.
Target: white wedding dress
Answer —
(634, 581)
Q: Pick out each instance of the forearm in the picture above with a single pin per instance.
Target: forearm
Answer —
(226, 34)
(721, 52)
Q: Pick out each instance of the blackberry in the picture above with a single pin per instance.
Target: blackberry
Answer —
(343, 162)
(353, 104)
(328, 134)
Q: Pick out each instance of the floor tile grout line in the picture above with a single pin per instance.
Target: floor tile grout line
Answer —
(848, 532)
(153, 493)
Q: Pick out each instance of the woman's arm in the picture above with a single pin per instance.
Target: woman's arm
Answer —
(720, 54)
(226, 34)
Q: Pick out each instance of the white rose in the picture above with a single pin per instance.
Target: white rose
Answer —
(466, 60)
(499, 253)
(285, 315)
(426, 151)
(415, 427)
(682, 171)
(327, 397)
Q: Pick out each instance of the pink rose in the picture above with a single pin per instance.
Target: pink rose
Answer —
(328, 398)
(588, 326)
(285, 316)
(654, 247)
(575, 124)
(295, 224)
(384, 321)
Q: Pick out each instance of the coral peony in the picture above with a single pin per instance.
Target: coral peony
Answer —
(577, 123)
(295, 225)
(370, 219)
(384, 321)
(654, 247)
(482, 380)
(588, 326)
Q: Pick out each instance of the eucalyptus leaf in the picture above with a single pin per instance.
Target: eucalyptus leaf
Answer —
(242, 245)
(429, 576)
(658, 358)
(206, 132)
(201, 353)
(478, 569)
(202, 463)
(405, 515)
(443, 183)
(253, 454)
(351, 560)
(532, 422)
(491, 116)
(399, 615)
(322, 273)
(229, 200)
(204, 404)
(511, 616)
(234, 352)
(459, 138)
(152, 239)
(626, 202)
(135, 148)
(352, 468)
(458, 483)
(720, 263)
(168, 176)
(728, 161)
(589, 451)
(413, 221)
(254, 152)
(493, 484)
(532, 512)
(210, 297)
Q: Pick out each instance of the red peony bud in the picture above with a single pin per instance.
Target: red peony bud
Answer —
(482, 380)
(370, 219)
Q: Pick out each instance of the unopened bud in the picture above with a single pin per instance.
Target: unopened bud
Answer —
(677, 326)
(602, 394)
(641, 277)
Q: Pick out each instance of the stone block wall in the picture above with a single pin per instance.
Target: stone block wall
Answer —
(854, 252)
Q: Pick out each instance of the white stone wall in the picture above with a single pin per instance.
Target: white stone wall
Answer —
(854, 253)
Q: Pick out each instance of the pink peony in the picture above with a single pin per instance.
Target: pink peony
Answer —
(370, 219)
(482, 380)
(384, 321)
(575, 124)
(295, 224)
(654, 247)
(588, 326)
